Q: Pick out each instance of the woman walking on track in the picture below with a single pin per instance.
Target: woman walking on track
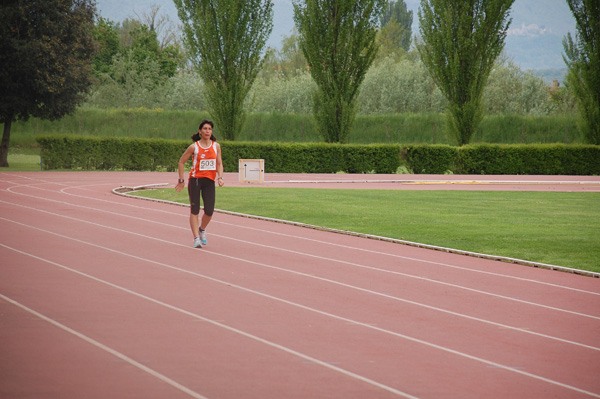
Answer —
(207, 166)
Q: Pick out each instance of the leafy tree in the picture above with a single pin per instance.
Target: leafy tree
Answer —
(225, 39)
(291, 58)
(396, 26)
(181, 92)
(107, 43)
(398, 87)
(282, 94)
(337, 38)
(125, 29)
(582, 57)
(390, 40)
(145, 46)
(271, 66)
(510, 90)
(130, 83)
(132, 74)
(562, 100)
(461, 41)
(46, 52)
(288, 62)
(161, 24)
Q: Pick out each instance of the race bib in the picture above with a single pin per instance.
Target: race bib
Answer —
(208, 164)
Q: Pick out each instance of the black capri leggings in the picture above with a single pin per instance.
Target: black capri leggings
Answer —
(206, 187)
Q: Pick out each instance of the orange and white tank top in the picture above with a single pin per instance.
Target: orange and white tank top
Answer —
(204, 162)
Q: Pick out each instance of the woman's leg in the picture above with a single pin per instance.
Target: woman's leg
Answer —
(194, 196)
(194, 224)
(205, 221)
(208, 200)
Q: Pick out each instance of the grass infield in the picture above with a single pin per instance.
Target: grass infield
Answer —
(558, 228)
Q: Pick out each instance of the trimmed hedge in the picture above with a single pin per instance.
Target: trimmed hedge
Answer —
(531, 159)
(109, 153)
(114, 153)
(314, 157)
(431, 159)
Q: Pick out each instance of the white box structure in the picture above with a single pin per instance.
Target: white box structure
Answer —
(251, 170)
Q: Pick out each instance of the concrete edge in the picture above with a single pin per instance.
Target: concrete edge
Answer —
(124, 191)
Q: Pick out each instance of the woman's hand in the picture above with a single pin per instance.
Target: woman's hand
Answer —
(221, 182)
(179, 186)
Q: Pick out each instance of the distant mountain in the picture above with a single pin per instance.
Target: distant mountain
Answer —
(534, 39)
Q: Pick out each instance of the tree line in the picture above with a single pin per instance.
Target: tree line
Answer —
(345, 57)
(396, 82)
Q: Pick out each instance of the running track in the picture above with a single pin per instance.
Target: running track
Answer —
(102, 296)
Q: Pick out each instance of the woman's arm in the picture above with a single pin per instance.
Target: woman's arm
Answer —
(181, 167)
(219, 166)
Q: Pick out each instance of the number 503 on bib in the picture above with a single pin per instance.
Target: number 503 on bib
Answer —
(208, 164)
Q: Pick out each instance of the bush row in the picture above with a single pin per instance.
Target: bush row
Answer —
(108, 153)
(405, 128)
(93, 153)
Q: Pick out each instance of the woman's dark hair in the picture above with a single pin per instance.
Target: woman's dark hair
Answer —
(196, 136)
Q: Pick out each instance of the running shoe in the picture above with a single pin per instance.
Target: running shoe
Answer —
(197, 242)
(203, 237)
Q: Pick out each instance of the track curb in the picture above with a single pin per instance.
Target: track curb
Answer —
(124, 191)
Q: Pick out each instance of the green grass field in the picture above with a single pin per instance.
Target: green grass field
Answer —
(549, 227)
(22, 162)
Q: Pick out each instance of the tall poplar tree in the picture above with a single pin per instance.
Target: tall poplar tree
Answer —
(337, 38)
(460, 42)
(46, 53)
(225, 39)
(582, 57)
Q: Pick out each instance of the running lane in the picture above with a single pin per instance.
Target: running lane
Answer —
(103, 296)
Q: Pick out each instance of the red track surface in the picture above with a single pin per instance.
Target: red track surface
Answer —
(102, 296)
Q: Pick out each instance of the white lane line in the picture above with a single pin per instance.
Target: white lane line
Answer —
(488, 363)
(441, 182)
(366, 250)
(219, 324)
(332, 281)
(358, 265)
(310, 276)
(326, 259)
(287, 235)
(100, 345)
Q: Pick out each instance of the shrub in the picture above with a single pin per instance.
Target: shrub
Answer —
(111, 153)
